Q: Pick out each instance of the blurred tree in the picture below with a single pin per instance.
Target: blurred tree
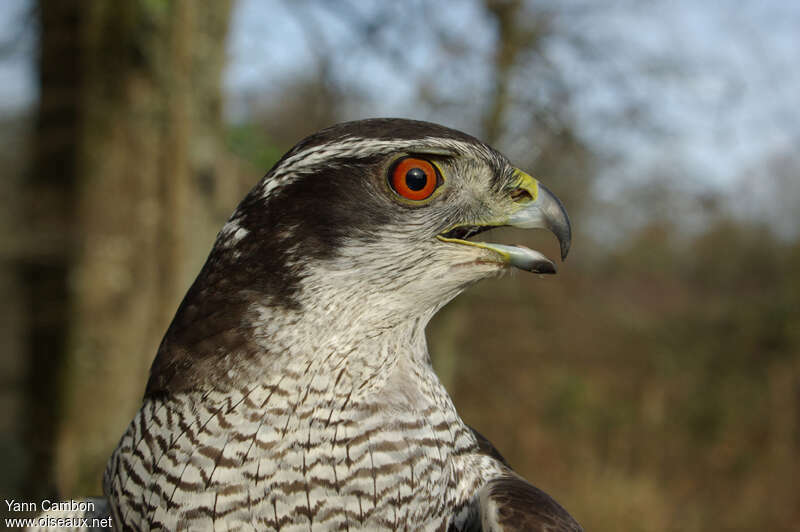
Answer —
(665, 359)
(123, 200)
(534, 131)
(516, 35)
(14, 144)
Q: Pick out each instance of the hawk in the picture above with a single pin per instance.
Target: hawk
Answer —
(293, 389)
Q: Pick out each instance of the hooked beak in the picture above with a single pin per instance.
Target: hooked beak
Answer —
(533, 207)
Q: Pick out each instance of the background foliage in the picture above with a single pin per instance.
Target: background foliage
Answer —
(654, 384)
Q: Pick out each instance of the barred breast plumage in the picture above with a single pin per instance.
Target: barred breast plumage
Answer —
(294, 390)
(298, 449)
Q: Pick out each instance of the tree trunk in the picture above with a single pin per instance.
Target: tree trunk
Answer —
(130, 115)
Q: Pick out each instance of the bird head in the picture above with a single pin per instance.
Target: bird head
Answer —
(361, 226)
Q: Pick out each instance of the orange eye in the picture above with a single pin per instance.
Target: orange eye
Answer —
(414, 179)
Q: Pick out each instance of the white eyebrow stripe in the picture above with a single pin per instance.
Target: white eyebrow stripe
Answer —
(309, 160)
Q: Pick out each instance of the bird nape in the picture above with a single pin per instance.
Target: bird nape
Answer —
(293, 389)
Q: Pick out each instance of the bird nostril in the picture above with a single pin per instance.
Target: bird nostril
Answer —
(520, 195)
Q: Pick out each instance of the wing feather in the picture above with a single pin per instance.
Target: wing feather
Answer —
(509, 503)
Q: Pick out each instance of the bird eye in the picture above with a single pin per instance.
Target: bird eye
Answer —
(414, 179)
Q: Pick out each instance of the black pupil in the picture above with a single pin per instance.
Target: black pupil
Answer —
(416, 179)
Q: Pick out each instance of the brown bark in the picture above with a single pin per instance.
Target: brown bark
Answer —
(44, 268)
(140, 151)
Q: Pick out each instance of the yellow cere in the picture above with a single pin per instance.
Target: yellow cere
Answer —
(528, 183)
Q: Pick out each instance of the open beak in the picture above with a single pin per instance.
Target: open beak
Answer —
(533, 207)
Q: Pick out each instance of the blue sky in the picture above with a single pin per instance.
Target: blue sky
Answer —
(717, 80)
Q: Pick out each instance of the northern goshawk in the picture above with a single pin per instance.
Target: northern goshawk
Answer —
(294, 390)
